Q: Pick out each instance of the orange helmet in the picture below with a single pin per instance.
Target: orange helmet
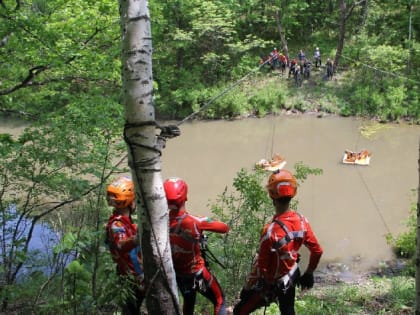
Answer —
(120, 193)
(176, 190)
(282, 184)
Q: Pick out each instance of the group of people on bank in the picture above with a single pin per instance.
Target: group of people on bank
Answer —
(275, 273)
(300, 65)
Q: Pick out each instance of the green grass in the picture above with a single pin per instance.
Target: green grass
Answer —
(372, 296)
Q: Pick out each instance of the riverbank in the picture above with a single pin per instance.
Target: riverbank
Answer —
(385, 289)
(317, 96)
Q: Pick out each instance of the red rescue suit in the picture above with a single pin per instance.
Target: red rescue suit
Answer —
(277, 260)
(279, 245)
(191, 272)
(126, 253)
(121, 239)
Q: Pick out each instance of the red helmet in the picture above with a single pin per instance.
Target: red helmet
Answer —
(176, 190)
(120, 193)
(282, 184)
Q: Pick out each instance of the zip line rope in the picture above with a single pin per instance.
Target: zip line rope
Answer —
(378, 210)
(273, 132)
(220, 94)
(375, 204)
(383, 71)
(379, 83)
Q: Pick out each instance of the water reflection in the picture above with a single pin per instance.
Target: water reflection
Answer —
(15, 232)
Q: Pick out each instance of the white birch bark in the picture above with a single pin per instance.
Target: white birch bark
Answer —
(144, 156)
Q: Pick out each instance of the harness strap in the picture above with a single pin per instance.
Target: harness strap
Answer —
(286, 278)
(290, 235)
(177, 230)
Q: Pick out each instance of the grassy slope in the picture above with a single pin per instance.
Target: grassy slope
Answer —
(316, 93)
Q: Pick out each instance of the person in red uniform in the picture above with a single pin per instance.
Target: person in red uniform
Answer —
(276, 273)
(185, 233)
(123, 242)
(283, 62)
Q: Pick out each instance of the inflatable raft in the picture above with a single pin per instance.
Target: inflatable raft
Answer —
(357, 158)
(276, 163)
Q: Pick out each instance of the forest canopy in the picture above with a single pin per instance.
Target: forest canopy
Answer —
(55, 54)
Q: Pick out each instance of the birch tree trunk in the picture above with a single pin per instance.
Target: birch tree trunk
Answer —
(144, 156)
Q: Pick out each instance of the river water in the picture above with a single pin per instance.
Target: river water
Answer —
(351, 208)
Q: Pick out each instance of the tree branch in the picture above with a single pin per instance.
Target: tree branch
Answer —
(354, 4)
(33, 72)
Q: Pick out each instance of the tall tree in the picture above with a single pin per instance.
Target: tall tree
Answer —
(144, 148)
(281, 34)
(345, 13)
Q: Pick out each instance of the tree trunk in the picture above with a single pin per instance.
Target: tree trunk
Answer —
(342, 33)
(418, 245)
(281, 33)
(144, 157)
(345, 13)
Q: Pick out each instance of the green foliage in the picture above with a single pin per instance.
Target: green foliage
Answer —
(373, 296)
(56, 52)
(246, 210)
(377, 86)
(404, 244)
(54, 173)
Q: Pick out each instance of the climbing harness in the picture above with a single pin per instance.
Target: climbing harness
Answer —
(207, 253)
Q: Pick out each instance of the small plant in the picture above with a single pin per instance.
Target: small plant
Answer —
(404, 244)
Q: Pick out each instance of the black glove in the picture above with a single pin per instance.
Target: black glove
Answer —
(260, 284)
(306, 281)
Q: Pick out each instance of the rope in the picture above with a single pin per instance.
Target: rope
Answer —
(374, 202)
(273, 132)
(378, 210)
(161, 267)
(221, 94)
(383, 71)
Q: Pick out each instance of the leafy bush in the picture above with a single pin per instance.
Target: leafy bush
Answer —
(404, 244)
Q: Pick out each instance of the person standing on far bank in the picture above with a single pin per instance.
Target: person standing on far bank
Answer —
(317, 57)
(276, 272)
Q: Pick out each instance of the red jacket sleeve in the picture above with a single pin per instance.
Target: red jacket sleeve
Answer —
(207, 224)
(264, 256)
(315, 249)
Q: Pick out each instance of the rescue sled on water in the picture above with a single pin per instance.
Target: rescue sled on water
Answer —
(357, 158)
(276, 163)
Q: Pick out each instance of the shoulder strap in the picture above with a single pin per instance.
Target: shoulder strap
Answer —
(177, 230)
(290, 235)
